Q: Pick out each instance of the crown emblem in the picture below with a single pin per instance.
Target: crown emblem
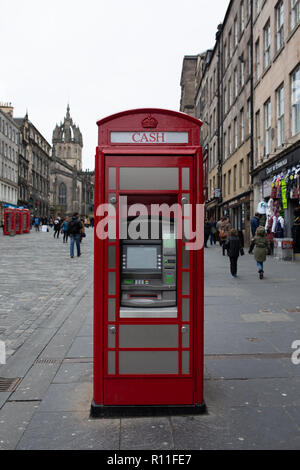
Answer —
(149, 122)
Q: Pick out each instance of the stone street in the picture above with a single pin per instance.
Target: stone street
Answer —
(46, 319)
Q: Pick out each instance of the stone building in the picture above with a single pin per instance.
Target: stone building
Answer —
(223, 101)
(276, 36)
(34, 168)
(72, 190)
(9, 145)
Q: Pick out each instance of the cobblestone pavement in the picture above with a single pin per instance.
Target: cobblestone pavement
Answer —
(37, 277)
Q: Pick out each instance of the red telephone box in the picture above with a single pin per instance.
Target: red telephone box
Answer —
(9, 226)
(19, 221)
(25, 221)
(148, 278)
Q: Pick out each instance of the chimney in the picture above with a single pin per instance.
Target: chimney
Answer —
(7, 108)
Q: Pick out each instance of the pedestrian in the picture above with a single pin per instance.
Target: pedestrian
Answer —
(207, 228)
(261, 247)
(64, 229)
(234, 249)
(82, 230)
(74, 231)
(213, 232)
(225, 227)
(56, 227)
(254, 224)
(37, 224)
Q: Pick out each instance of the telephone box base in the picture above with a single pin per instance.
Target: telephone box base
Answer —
(106, 411)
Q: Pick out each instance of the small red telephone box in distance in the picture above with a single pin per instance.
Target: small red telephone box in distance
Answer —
(148, 292)
(9, 223)
(25, 221)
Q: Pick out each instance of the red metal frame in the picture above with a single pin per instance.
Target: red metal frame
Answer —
(19, 221)
(177, 389)
(9, 225)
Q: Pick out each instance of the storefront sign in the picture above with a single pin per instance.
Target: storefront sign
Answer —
(276, 166)
(154, 137)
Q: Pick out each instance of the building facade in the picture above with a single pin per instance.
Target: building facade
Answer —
(9, 150)
(247, 95)
(72, 189)
(276, 172)
(35, 162)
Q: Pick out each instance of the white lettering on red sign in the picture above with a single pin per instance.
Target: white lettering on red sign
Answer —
(154, 137)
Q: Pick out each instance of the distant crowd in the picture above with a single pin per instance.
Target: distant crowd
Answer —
(73, 227)
(232, 241)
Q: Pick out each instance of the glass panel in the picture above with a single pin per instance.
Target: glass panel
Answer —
(185, 283)
(111, 363)
(185, 258)
(112, 178)
(111, 336)
(111, 256)
(185, 362)
(185, 309)
(148, 336)
(185, 178)
(111, 309)
(111, 283)
(185, 332)
(148, 362)
(149, 178)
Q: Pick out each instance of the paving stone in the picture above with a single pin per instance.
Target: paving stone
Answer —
(70, 431)
(146, 434)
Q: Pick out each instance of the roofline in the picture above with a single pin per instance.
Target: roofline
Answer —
(194, 120)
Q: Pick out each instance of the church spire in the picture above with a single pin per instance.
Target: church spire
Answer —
(68, 112)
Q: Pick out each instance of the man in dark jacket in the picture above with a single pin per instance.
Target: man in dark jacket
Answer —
(234, 249)
(254, 223)
(74, 229)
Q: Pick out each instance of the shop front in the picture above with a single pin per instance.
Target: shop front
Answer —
(280, 191)
(238, 211)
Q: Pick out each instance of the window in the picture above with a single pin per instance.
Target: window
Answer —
(295, 13)
(242, 73)
(267, 45)
(267, 109)
(235, 130)
(62, 194)
(224, 186)
(242, 18)
(280, 115)
(279, 25)
(235, 32)
(295, 100)
(258, 6)
(225, 100)
(235, 83)
(229, 182)
(225, 145)
(225, 55)
(242, 121)
(257, 58)
(229, 92)
(242, 173)
(229, 140)
(234, 177)
(229, 45)
(249, 116)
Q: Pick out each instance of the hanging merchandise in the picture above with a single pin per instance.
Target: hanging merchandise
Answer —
(283, 194)
(262, 207)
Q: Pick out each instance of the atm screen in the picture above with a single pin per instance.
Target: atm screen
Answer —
(141, 257)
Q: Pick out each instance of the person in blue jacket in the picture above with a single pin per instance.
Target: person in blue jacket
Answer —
(254, 224)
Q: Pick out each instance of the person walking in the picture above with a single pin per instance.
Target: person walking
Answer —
(254, 224)
(207, 228)
(234, 249)
(74, 231)
(261, 247)
(56, 227)
(37, 224)
(64, 228)
(213, 232)
(225, 227)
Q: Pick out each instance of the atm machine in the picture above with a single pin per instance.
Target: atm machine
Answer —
(149, 276)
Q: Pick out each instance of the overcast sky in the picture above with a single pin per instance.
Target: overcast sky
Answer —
(100, 56)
